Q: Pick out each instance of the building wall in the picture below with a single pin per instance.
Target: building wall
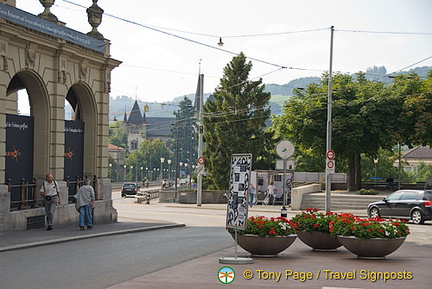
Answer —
(49, 68)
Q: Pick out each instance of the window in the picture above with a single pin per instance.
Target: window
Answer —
(134, 145)
(394, 197)
(410, 196)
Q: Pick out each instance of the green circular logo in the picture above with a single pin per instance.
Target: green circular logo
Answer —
(226, 275)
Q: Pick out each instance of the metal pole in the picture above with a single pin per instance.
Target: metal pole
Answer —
(284, 210)
(329, 122)
(200, 138)
(176, 157)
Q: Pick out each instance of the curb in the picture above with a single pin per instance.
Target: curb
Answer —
(90, 236)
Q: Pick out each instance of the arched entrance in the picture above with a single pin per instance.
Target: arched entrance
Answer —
(79, 160)
(55, 65)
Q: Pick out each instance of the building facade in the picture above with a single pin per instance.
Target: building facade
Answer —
(55, 65)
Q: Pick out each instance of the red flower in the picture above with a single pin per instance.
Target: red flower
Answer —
(316, 225)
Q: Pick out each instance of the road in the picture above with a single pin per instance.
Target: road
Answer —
(102, 262)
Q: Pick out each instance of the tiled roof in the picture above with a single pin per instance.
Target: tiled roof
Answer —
(114, 147)
(419, 152)
(135, 117)
(159, 126)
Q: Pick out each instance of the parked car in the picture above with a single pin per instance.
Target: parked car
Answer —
(129, 189)
(415, 205)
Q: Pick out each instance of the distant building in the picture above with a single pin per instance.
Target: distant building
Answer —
(415, 156)
(138, 127)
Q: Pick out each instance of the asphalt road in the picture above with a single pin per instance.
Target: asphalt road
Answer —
(102, 262)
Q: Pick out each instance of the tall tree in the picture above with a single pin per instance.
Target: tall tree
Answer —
(234, 120)
(183, 134)
(365, 118)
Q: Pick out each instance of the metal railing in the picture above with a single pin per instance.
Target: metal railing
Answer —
(73, 187)
(23, 195)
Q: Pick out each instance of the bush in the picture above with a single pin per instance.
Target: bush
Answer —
(368, 192)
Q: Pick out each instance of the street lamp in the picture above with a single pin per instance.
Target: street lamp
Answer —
(180, 173)
(375, 162)
(131, 167)
(110, 171)
(169, 169)
(141, 174)
(161, 169)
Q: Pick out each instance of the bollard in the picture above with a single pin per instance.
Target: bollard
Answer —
(284, 212)
(147, 198)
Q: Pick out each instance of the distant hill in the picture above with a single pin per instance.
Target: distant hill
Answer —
(279, 94)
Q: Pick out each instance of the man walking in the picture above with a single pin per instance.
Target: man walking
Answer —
(85, 198)
(51, 192)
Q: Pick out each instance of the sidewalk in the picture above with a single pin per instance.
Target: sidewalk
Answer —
(412, 257)
(16, 240)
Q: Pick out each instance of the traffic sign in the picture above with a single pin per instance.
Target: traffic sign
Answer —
(330, 154)
(201, 160)
(330, 165)
(285, 149)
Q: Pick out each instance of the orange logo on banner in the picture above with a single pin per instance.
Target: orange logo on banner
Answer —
(14, 154)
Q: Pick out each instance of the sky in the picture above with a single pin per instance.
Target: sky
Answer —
(159, 66)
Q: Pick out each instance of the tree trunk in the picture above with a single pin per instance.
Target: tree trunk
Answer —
(358, 181)
(354, 173)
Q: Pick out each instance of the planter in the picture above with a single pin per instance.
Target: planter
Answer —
(319, 241)
(376, 248)
(264, 246)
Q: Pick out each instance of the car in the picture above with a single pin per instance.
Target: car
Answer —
(414, 205)
(129, 189)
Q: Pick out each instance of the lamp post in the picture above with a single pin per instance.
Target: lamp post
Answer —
(180, 173)
(169, 169)
(131, 167)
(110, 171)
(141, 173)
(161, 168)
(375, 162)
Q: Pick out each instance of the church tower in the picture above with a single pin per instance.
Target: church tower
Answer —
(136, 127)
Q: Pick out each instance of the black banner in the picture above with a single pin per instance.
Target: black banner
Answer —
(19, 152)
(74, 150)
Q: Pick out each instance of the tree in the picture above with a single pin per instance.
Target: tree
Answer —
(364, 119)
(234, 121)
(148, 157)
(117, 135)
(184, 133)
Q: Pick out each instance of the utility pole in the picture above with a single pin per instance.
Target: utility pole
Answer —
(329, 123)
(200, 137)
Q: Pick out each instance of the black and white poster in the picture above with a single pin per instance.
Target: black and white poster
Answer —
(237, 208)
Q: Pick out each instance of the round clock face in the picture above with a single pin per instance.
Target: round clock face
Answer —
(285, 149)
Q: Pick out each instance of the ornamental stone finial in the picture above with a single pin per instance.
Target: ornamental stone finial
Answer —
(94, 13)
(47, 15)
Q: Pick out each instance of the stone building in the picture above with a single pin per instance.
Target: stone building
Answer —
(55, 65)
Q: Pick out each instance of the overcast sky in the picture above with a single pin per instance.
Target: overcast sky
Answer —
(158, 67)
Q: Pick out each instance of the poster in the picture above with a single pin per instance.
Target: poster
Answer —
(237, 207)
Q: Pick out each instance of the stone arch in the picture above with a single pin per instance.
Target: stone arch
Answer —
(39, 109)
(83, 102)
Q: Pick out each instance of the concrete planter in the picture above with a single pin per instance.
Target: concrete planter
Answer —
(377, 248)
(319, 241)
(264, 246)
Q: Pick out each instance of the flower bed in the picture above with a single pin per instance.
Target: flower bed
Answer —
(264, 226)
(368, 228)
(312, 220)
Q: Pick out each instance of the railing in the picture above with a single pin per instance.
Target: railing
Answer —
(23, 195)
(73, 187)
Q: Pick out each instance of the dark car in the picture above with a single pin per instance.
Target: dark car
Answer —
(415, 205)
(129, 189)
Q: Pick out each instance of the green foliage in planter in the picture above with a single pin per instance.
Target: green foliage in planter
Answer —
(368, 192)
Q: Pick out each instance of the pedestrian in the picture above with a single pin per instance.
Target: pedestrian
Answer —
(271, 191)
(85, 198)
(251, 194)
(51, 193)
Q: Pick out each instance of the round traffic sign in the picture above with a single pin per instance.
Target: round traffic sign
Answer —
(330, 164)
(285, 149)
(201, 160)
(330, 154)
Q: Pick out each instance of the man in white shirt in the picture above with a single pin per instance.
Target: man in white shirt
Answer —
(51, 192)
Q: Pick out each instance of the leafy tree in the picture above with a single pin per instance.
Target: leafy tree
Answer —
(148, 157)
(117, 135)
(416, 116)
(234, 120)
(364, 119)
